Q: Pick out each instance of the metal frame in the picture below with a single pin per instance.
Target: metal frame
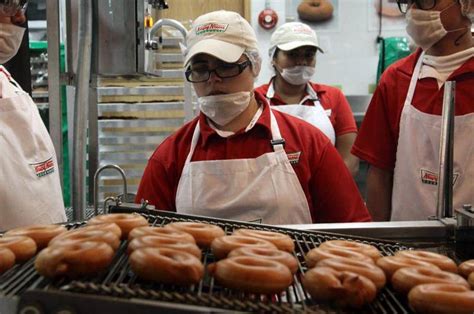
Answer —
(54, 81)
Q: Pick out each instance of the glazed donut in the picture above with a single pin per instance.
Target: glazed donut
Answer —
(41, 234)
(166, 265)
(222, 246)
(107, 226)
(366, 249)
(404, 279)
(470, 280)
(441, 298)
(7, 259)
(442, 261)
(87, 235)
(203, 233)
(161, 232)
(270, 254)
(282, 241)
(390, 264)
(74, 259)
(365, 269)
(343, 287)
(466, 268)
(163, 242)
(126, 222)
(23, 247)
(251, 274)
(318, 254)
(315, 10)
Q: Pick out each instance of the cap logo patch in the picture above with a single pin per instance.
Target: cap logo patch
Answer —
(211, 28)
(43, 168)
(302, 30)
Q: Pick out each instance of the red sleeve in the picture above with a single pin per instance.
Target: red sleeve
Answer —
(345, 122)
(158, 184)
(335, 194)
(376, 142)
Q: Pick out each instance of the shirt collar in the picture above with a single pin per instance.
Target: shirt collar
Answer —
(311, 93)
(409, 66)
(208, 133)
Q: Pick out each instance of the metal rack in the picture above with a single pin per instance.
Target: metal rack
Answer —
(120, 291)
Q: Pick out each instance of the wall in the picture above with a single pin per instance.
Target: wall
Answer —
(351, 52)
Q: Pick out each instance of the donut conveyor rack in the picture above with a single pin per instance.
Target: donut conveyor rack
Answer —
(118, 290)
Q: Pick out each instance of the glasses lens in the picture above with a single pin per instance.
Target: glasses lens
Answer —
(228, 70)
(197, 75)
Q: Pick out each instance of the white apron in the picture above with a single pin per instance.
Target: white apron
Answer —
(30, 191)
(263, 189)
(415, 183)
(316, 115)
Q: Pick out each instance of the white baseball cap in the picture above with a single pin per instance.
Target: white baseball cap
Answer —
(222, 34)
(293, 35)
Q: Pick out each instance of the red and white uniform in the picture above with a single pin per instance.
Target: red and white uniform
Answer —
(329, 190)
(330, 98)
(30, 191)
(411, 148)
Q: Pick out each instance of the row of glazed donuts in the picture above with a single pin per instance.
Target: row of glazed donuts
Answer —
(430, 279)
(86, 250)
(20, 244)
(343, 272)
(263, 256)
(168, 255)
(432, 287)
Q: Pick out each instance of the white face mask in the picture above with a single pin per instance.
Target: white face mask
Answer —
(298, 75)
(425, 27)
(10, 40)
(222, 109)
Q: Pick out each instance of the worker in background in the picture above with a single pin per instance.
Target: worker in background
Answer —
(400, 134)
(30, 191)
(239, 159)
(293, 49)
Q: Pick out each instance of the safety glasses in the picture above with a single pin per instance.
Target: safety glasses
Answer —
(404, 5)
(12, 7)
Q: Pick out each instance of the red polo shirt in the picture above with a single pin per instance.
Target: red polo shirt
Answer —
(331, 99)
(330, 190)
(378, 136)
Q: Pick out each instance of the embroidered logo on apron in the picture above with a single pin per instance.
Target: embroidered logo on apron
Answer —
(431, 178)
(294, 158)
(43, 168)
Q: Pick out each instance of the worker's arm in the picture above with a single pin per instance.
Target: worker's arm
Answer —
(344, 145)
(379, 193)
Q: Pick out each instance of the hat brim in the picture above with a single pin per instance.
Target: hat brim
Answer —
(220, 49)
(296, 44)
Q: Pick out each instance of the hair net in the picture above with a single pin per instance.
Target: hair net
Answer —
(467, 9)
(255, 60)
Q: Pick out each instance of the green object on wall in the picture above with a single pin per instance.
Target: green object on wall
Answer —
(391, 50)
(39, 47)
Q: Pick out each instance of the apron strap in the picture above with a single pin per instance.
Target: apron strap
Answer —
(414, 78)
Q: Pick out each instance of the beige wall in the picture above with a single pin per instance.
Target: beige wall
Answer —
(186, 10)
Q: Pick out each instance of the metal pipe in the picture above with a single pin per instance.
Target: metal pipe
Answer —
(168, 22)
(96, 184)
(80, 110)
(54, 82)
(444, 206)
